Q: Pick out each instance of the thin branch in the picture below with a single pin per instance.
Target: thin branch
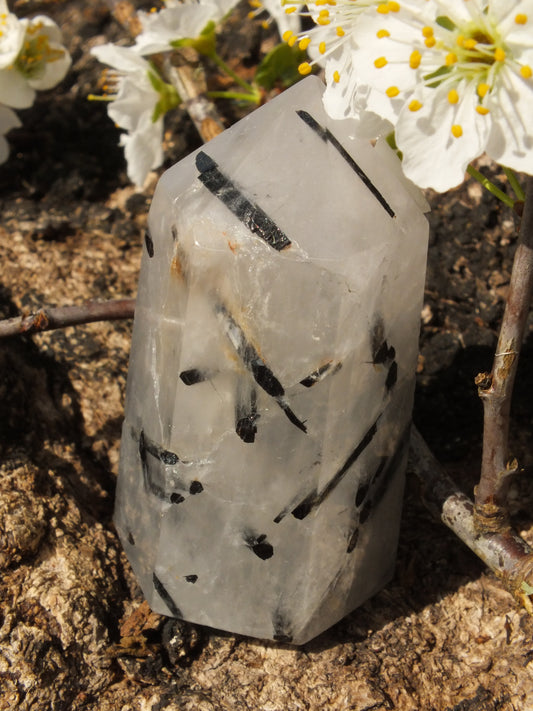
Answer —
(504, 552)
(495, 389)
(185, 73)
(489, 185)
(47, 319)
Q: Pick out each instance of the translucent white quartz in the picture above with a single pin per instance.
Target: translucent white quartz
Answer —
(271, 376)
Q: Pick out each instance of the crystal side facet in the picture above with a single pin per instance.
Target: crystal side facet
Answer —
(272, 374)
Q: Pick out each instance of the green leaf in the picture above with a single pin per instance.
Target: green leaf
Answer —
(280, 65)
(185, 42)
(445, 22)
(440, 72)
(209, 29)
(205, 43)
(155, 80)
(391, 140)
(526, 588)
(168, 96)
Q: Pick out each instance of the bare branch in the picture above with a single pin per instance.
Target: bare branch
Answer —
(47, 319)
(185, 72)
(504, 552)
(495, 389)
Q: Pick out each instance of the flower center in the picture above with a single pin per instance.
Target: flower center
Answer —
(456, 57)
(36, 53)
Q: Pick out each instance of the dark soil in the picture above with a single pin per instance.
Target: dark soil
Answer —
(74, 631)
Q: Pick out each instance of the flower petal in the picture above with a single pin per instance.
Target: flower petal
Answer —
(15, 90)
(134, 104)
(123, 59)
(173, 23)
(12, 32)
(511, 139)
(504, 13)
(346, 98)
(283, 21)
(143, 150)
(433, 156)
(54, 71)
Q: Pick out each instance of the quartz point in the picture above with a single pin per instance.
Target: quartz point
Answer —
(271, 376)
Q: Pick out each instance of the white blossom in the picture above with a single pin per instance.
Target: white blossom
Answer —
(136, 92)
(11, 35)
(453, 78)
(178, 21)
(455, 85)
(336, 22)
(276, 13)
(40, 63)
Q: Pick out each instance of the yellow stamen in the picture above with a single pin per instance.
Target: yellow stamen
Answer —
(380, 34)
(451, 58)
(340, 31)
(520, 19)
(288, 10)
(304, 43)
(460, 40)
(526, 72)
(415, 105)
(392, 91)
(256, 4)
(265, 24)
(292, 41)
(457, 130)
(469, 43)
(430, 42)
(394, 6)
(499, 54)
(482, 110)
(380, 62)
(323, 13)
(383, 9)
(453, 96)
(305, 68)
(322, 47)
(322, 21)
(483, 89)
(287, 35)
(415, 59)
(336, 77)
(427, 31)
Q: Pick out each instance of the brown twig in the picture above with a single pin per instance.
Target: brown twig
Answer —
(504, 552)
(47, 319)
(495, 388)
(185, 72)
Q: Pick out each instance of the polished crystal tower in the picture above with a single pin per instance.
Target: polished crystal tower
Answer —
(271, 377)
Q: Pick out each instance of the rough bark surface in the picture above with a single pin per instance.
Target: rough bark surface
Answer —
(74, 631)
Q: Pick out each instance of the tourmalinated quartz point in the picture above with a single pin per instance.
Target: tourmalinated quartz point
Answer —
(271, 376)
